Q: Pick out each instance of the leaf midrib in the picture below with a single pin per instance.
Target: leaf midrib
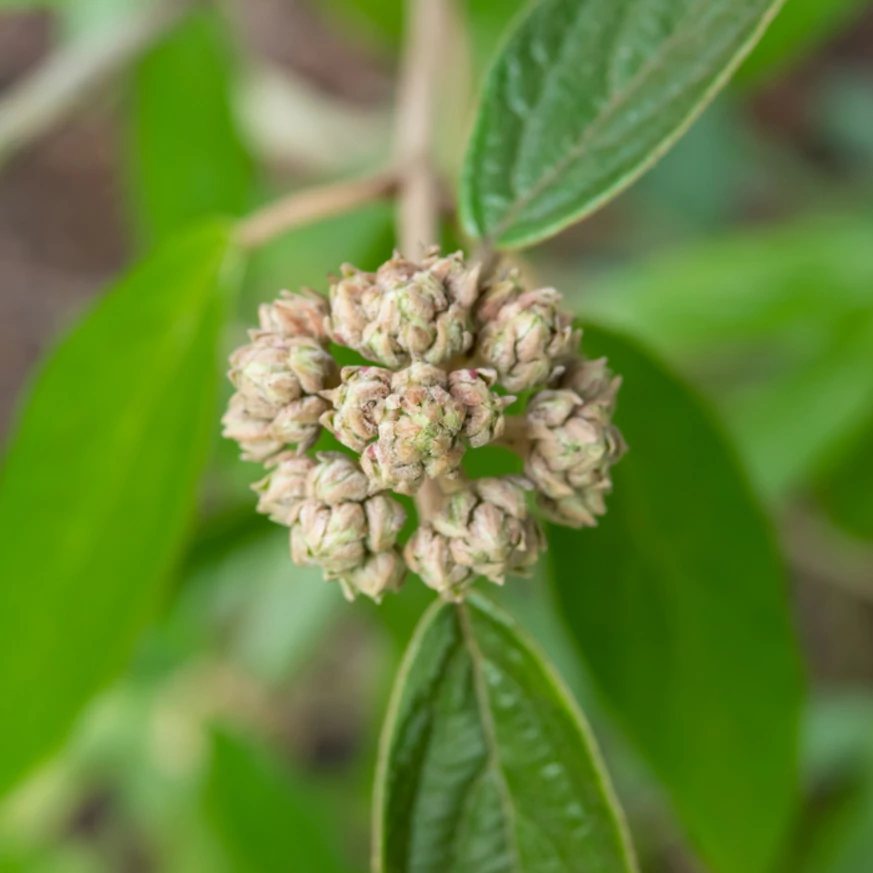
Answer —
(615, 103)
(489, 731)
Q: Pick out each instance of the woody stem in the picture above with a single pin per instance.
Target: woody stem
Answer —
(418, 191)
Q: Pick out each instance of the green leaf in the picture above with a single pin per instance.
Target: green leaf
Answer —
(185, 158)
(485, 762)
(765, 321)
(264, 821)
(678, 604)
(586, 95)
(844, 488)
(801, 27)
(98, 488)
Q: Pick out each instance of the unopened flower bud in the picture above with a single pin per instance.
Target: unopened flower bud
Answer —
(406, 312)
(484, 528)
(336, 478)
(311, 365)
(260, 371)
(296, 315)
(357, 405)
(329, 536)
(419, 431)
(277, 379)
(523, 335)
(429, 554)
(299, 423)
(594, 382)
(573, 444)
(484, 419)
(284, 489)
(380, 573)
(385, 519)
(254, 435)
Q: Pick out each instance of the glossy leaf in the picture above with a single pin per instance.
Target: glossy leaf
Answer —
(262, 819)
(677, 602)
(485, 763)
(185, 158)
(585, 96)
(98, 488)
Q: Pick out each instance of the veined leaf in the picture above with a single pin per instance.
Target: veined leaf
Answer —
(186, 161)
(585, 96)
(678, 604)
(486, 765)
(98, 487)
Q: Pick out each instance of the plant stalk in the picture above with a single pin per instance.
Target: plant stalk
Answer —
(313, 204)
(419, 191)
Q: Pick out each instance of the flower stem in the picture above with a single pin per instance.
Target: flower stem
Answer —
(418, 202)
(313, 204)
(419, 191)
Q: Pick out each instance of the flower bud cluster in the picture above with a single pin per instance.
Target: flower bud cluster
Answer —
(573, 444)
(484, 529)
(278, 378)
(448, 353)
(406, 312)
(414, 424)
(335, 522)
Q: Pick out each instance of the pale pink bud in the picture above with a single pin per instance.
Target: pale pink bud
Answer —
(299, 422)
(296, 315)
(329, 536)
(385, 519)
(406, 312)
(313, 367)
(428, 554)
(484, 419)
(284, 489)
(261, 371)
(380, 573)
(485, 528)
(523, 335)
(573, 444)
(254, 435)
(336, 478)
(357, 405)
(419, 431)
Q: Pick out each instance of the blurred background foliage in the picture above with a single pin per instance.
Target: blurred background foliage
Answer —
(241, 736)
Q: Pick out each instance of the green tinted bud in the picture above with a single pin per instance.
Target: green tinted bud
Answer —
(419, 432)
(331, 537)
(254, 435)
(357, 405)
(335, 479)
(296, 315)
(523, 335)
(484, 421)
(380, 573)
(573, 444)
(284, 489)
(406, 312)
